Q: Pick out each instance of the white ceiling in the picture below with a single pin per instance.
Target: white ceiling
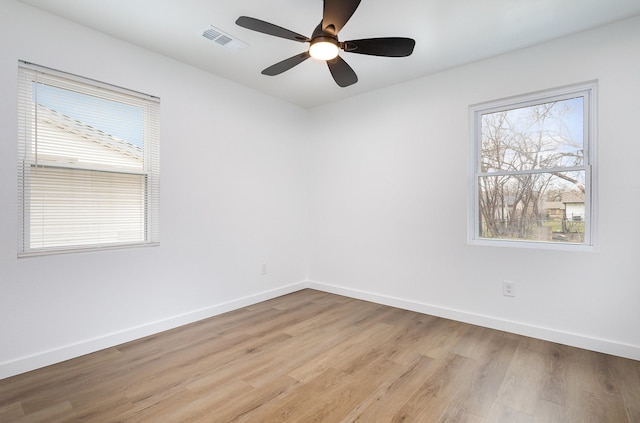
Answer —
(448, 33)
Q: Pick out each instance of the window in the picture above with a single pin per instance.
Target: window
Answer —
(88, 164)
(533, 170)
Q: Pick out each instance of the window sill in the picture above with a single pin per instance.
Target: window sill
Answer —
(72, 250)
(535, 245)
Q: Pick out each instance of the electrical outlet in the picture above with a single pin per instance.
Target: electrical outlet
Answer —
(509, 289)
(264, 268)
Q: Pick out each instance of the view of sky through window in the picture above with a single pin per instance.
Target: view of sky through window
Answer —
(121, 120)
(534, 137)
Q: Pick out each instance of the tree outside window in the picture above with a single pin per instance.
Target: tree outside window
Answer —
(532, 169)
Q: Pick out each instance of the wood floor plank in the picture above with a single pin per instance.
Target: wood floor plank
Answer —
(443, 336)
(551, 412)
(295, 352)
(433, 397)
(521, 388)
(94, 406)
(292, 405)
(457, 414)
(601, 409)
(556, 381)
(253, 402)
(633, 413)
(385, 402)
(524, 380)
(313, 356)
(343, 351)
(626, 374)
(338, 402)
(61, 412)
(504, 414)
(417, 333)
(475, 342)
(331, 314)
(480, 392)
(11, 412)
(155, 408)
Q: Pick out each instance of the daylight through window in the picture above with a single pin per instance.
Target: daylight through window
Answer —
(533, 169)
(88, 164)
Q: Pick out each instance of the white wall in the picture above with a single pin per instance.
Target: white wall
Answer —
(389, 199)
(232, 190)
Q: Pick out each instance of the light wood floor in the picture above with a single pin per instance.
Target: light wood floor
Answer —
(317, 357)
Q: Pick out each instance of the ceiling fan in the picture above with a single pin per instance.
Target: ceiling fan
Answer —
(324, 43)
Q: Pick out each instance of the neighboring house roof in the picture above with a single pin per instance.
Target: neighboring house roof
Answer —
(549, 205)
(573, 197)
(85, 140)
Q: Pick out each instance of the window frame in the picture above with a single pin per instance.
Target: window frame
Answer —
(586, 90)
(29, 74)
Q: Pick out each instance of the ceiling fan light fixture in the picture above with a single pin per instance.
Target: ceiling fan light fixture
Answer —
(324, 44)
(324, 48)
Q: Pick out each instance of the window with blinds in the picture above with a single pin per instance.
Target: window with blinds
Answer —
(88, 164)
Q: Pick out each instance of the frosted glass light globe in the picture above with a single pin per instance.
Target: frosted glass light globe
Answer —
(323, 50)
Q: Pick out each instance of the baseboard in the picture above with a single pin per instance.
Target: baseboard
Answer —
(547, 334)
(46, 358)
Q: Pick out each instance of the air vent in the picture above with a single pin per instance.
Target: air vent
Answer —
(221, 38)
(211, 33)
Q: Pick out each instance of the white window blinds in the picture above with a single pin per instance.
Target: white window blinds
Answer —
(88, 164)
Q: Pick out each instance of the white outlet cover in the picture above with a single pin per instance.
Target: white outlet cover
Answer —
(509, 289)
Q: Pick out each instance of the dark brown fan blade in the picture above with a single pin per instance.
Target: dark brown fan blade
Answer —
(270, 29)
(286, 64)
(388, 47)
(342, 72)
(336, 13)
